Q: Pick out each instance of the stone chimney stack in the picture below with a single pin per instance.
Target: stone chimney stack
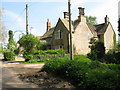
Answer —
(48, 25)
(106, 19)
(81, 11)
(81, 16)
(66, 15)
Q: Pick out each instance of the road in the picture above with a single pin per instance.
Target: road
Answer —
(9, 74)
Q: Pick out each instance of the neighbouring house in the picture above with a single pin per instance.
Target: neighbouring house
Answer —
(58, 37)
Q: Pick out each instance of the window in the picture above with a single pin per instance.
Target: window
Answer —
(58, 46)
(88, 36)
(58, 34)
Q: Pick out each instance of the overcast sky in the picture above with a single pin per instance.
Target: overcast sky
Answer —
(41, 10)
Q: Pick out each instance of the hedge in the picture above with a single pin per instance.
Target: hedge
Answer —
(84, 73)
(8, 55)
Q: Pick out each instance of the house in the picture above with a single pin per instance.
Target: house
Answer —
(58, 36)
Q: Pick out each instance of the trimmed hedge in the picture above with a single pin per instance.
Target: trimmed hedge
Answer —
(8, 55)
(46, 52)
(84, 73)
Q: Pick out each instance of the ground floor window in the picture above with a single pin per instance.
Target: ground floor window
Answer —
(58, 46)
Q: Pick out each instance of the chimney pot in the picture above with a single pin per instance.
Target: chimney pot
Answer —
(66, 15)
(106, 19)
(81, 11)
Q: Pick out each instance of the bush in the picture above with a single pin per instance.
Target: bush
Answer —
(9, 55)
(102, 79)
(27, 56)
(43, 60)
(84, 73)
(45, 52)
(113, 56)
(97, 50)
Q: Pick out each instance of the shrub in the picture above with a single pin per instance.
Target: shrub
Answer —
(113, 56)
(45, 52)
(27, 56)
(84, 73)
(28, 42)
(43, 60)
(102, 79)
(97, 50)
(9, 55)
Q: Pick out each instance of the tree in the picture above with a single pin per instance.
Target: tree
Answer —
(11, 42)
(3, 33)
(28, 42)
(91, 20)
(97, 50)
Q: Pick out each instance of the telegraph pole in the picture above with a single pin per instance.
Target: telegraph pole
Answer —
(70, 31)
(26, 19)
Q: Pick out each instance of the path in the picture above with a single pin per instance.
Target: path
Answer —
(10, 71)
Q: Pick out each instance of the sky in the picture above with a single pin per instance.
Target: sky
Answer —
(41, 10)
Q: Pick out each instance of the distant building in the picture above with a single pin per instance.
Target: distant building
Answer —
(58, 36)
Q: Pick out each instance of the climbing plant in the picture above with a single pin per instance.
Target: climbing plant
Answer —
(11, 43)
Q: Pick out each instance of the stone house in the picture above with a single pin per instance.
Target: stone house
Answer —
(58, 36)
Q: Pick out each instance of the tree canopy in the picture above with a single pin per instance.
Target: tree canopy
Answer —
(28, 42)
(91, 20)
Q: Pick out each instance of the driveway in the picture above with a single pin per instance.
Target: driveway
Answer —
(9, 73)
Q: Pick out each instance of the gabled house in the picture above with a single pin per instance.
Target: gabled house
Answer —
(58, 36)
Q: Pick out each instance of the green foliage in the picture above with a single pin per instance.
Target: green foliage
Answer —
(9, 55)
(91, 20)
(113, 56)
(28, 42)
(97, 50)
(41, 45)
(84, 73)
(1, 49)
(27, 56)
(11, 43)
(114, 38)
(43, 60)
(46, 52)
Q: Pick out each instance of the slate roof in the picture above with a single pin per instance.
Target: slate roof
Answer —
(48, 34)
(93, 30)
(101, 28)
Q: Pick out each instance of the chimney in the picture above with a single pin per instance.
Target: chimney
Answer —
(48, 25)
(81, 11)
(81, 16)
(66, 15)
(106, 19)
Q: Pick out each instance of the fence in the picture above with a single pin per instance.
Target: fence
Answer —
(50, 56)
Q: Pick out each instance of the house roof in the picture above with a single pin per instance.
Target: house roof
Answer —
(48, 34)
(95, 29)
(101, 28)
(66, 23)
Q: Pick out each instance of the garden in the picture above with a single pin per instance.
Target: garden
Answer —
(96, 70)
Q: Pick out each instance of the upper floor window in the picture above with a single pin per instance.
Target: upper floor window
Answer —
(58, 34)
